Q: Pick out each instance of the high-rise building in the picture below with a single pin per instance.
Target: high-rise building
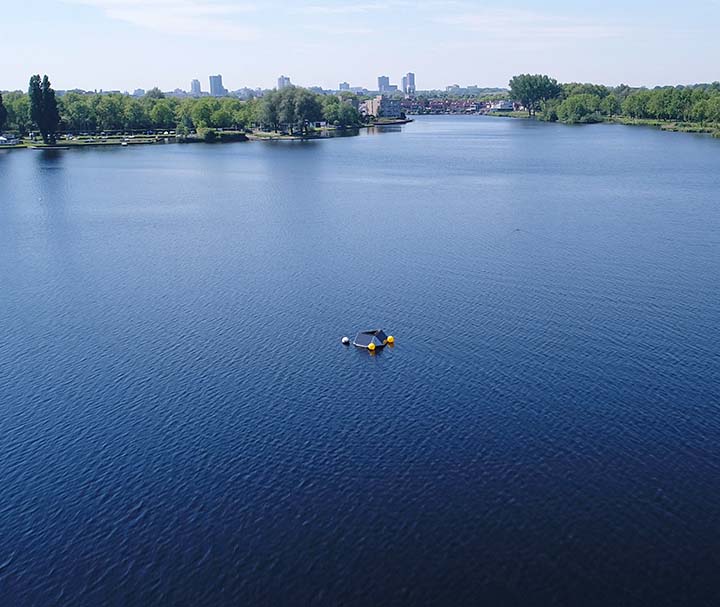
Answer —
(410, 83)
(344, 86)
(216, 86)
(195, 89)
(383, 83)
(283, 82)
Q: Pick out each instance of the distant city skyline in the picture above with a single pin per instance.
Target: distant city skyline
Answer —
(165, 42)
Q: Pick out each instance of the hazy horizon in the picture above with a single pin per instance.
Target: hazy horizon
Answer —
(128, 44)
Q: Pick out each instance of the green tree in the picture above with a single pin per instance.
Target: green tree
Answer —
(246, 114)
(50, 111)
(331, 110)
(700, 111)
(576, 88)
(208, 135)
(43, 108)
(18, 108)
(155, 93)
(348, 115)
(162, 115)
(713, 108)
(580, 109)
(636, 104)
(184, 116)
(286, 108)
(531, 90)
(622, 92)
(203, 110)
(610, 105)
(222, 118)
(36, 104)
(3, 114)
(110, 112)
(181, 130)
(307, 109)
(548, 110)
(78, 114)
(268, 114)
(134, 115)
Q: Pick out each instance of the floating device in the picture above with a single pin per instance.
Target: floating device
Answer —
(371, 339)
(346, 341)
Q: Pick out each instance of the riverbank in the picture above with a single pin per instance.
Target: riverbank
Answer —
(669, 125)
(388, 122)
(89, 142)
(327, 132)
(673, 126)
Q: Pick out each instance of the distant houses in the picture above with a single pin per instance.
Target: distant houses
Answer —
(454, 105)
(503, 105)
(382, 106)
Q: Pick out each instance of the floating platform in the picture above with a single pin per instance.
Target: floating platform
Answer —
(370, 340)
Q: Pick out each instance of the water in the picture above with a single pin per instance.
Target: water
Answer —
(181, 425)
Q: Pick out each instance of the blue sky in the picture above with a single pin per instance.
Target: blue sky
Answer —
(125, 44)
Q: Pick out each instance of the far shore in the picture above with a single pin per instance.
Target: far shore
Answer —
(222, 137)
(673, 126)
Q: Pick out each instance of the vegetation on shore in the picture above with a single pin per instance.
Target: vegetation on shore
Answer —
(292, 111)
(534, 90)
(3, 113)
(684, 108)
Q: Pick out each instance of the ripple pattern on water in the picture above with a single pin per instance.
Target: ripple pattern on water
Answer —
(181, 424)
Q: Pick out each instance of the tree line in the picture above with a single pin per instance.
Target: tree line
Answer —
(543, 97)
(293, 109)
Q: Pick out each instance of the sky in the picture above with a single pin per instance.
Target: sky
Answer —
(129, 44)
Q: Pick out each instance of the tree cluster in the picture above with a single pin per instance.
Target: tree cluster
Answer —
(293, 109)
(681, 104)
(532, 90)
(3, 114)
(586, 103)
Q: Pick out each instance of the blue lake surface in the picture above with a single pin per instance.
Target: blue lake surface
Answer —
(181, 425)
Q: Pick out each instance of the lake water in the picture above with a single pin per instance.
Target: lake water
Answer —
(181, 425)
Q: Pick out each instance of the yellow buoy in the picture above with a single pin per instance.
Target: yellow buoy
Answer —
(391, 339)
(371, 347)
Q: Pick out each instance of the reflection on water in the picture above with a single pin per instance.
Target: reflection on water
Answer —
(380, 129)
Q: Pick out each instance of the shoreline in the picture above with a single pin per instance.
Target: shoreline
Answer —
(670, 126)
(223, 137)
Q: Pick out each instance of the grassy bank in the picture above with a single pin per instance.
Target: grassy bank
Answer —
(674, 126)
(121, 140)
(669, 125)
(86, 142)
(388, 122)
(511, 114)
